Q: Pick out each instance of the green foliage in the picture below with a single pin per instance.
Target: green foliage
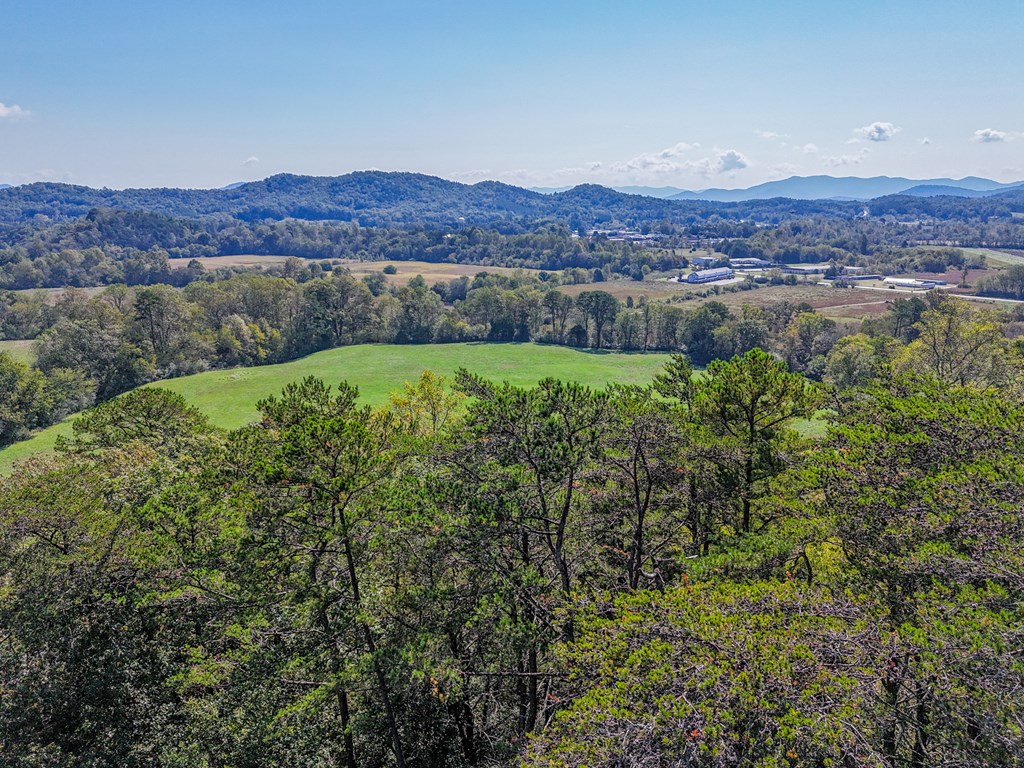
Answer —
(713, 676)
(550, 575)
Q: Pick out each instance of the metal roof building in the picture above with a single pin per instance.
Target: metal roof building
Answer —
(709, 275)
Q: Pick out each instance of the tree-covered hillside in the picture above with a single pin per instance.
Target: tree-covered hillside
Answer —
(375, 198)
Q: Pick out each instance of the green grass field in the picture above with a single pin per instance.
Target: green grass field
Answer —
(229, 397)
(19, 350)
(993, 259)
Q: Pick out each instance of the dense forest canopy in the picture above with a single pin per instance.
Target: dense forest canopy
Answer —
(480, 574)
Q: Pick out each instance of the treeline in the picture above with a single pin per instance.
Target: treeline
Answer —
(94, 347)
(547, 576)
(109, 247)
(142, 248)
(91, 348)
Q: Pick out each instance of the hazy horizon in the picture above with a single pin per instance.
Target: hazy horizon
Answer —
(688, 95)
(536, 187)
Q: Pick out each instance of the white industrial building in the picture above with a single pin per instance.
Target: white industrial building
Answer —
(909, 282)
(710, 275)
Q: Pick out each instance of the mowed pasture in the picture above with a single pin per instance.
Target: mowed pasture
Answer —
(20, 350)
(430, 271)
(229, 396)
(53, 295)
(239, 260)
(994, 257)
(406, 270)
(839, 303)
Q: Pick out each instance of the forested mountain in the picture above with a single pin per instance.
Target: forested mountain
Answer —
(849, 187)
(373, 198)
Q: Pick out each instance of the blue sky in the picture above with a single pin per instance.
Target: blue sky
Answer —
(691, 94)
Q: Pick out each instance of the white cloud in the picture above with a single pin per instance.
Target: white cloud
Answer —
(770, 135)
(731, 160)
(253, 160)
(837, 161)
(808, 149)
(673, 161)
(878, 131)
(12, 112)
(671, 165)
(991, 136)
(669, 160)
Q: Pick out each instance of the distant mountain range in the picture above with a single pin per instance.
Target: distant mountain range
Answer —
(826, 188)
(377, 199)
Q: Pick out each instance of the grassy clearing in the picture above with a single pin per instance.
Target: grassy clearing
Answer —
(19, 350)
(52, 295)
(839, 303)
(431, 272)
(240, 260)
(407, 270)
(621, 289)
(993, 258)
(229, 397)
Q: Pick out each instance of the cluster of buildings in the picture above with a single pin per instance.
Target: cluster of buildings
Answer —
(710, 269)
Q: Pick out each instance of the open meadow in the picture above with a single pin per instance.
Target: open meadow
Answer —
(994, 258)
(237, 260)
(406, 270)
(431, 272)
(19, 349)
(229, 396)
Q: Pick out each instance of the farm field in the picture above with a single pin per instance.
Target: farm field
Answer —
(846, 303)
(406, 269)
(240, 260)
(53, 295)
(431, 272)
(993, 257)
(229, 396)
(622, 289)
(19, 350)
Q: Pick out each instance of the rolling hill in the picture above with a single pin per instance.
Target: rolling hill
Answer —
(389, 199)
(229, 396)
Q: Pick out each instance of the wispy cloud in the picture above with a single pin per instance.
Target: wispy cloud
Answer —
(12, 112)
(877, 131)
(253, 160)
(770, 135)
(838, 161)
